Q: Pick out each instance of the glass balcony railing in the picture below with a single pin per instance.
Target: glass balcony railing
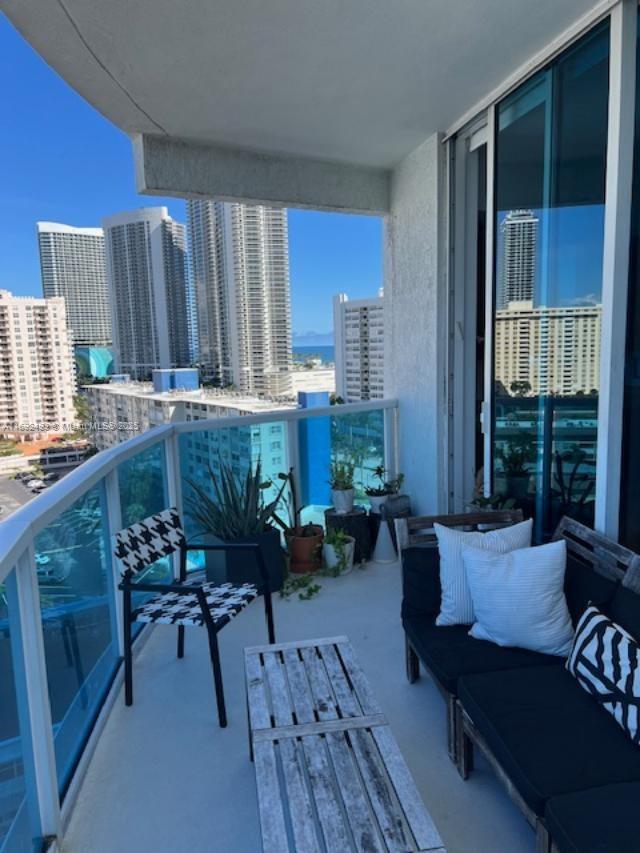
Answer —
(60, 615)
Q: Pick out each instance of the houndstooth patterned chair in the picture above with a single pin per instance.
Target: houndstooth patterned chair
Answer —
(185, 602)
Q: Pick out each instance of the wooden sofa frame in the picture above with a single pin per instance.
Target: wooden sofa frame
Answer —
(608, 559)
(419, 530)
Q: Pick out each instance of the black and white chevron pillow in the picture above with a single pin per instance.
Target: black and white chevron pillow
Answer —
(606, 661)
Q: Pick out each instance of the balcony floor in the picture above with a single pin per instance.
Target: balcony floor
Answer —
(164, 777)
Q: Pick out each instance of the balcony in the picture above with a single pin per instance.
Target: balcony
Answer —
(77, 764)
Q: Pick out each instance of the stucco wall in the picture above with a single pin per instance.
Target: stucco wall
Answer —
(416, 320)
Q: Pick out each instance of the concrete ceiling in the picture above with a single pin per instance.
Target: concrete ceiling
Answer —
(354, 81)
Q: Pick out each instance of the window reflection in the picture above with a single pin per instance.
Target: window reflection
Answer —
(550, 183)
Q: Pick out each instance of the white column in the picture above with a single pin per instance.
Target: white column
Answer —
(615, 272)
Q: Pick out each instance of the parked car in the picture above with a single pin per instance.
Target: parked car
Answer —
(51, 477)
(36, 485)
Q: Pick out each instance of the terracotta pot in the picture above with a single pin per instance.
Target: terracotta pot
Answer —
(305, 552)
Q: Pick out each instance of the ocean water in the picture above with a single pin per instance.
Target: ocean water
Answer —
(326, 353)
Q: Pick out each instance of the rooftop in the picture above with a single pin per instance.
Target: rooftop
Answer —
(213, 396)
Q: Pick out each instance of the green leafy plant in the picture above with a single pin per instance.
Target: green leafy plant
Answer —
(237, 509)
(385, 486)
(340, 541)
(516, 453)
(491, 502)
(574, 488)
(341, 474)
(304, 586)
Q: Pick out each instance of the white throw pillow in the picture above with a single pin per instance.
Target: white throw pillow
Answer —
(456, 607)
(519, 599)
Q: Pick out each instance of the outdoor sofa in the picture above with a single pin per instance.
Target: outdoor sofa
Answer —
(565, 761)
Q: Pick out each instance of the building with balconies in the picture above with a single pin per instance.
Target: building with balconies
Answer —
(36, 366)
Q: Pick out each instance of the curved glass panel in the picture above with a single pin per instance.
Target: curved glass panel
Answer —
(143, 492)
(16, 822)
(77, 602)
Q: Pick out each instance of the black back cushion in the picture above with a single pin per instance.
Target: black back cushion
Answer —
(421, 590)
(624, 610)
(584, 586)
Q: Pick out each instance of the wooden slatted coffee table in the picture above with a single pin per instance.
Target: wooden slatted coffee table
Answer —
(329, 773)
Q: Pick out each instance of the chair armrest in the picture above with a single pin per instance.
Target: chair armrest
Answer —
(421, 590)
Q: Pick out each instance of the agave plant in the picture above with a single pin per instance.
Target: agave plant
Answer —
(237, 509)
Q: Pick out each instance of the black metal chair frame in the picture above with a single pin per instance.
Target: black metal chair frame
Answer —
(130, 586)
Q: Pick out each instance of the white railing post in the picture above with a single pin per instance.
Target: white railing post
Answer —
(391, 455)
(114, 524)
(35, 690)
(174, 484)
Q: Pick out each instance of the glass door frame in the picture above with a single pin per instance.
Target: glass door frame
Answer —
(464, 206)
(619, 173)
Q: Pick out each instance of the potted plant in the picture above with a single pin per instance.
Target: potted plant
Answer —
(238, 512)
(337, 552)
(304, 541)
(341, 482)
(378, 494)
(516, 454)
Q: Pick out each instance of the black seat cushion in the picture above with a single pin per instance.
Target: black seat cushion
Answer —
(584, 586)
(600, 820)
(547, 732)
(421, 590)
(449, 652)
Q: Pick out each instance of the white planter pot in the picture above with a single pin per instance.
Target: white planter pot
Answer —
(376, 502)
(332, 558)
(342, 500)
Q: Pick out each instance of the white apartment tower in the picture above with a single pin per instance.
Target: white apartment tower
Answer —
(519, 244)
(72, 265)
(37, 374)
(358, 330)
(147, 279)
(240, 267)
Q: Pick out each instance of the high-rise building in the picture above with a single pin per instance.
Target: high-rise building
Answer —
(147, 278)
(240, 267)
(72, 265)
(358, 330)
(519, 242)
(37, 376)
(568, 337)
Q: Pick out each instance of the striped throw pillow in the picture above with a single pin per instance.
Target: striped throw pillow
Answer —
(456, 607)
(605, 659)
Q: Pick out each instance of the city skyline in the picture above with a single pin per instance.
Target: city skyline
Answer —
(93, 178)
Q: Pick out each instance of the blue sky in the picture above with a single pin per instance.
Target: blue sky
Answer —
(61, 160)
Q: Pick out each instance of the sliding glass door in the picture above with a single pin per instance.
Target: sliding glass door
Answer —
(550, 155)
(630, 486)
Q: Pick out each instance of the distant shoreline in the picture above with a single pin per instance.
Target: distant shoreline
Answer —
(326, 353)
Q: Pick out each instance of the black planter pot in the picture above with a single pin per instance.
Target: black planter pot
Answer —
(238, 567)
